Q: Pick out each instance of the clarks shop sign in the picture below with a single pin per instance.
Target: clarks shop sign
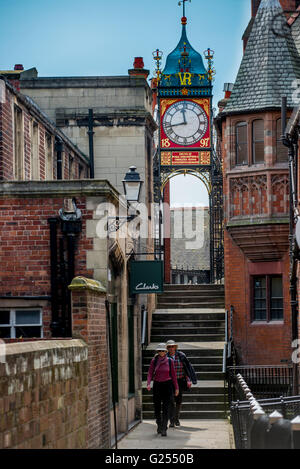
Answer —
(146, 277)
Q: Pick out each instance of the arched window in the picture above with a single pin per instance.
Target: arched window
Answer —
(281, 150)
(258, 145)
(241, 143)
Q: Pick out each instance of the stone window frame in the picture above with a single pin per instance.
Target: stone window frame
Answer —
(18, 143)
(49, 156)
(35, 154)
(12, 325)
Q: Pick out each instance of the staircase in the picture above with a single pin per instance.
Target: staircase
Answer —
(193, 316)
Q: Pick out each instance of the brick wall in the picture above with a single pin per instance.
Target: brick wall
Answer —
(89, 323)
(255, 243)
(25, 237)
(257, 343)
(44, 395)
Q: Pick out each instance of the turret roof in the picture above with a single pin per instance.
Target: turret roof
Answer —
(270, 63)
(172, 63)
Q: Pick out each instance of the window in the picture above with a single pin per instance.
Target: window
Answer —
(80, 171)
(241, 144)
(281, 150)
(258, 144)
(35, 163)
(71, 167)
(267, 298)
(17, 323)
(19, 144)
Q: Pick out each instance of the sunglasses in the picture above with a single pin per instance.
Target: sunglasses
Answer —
(171, 346)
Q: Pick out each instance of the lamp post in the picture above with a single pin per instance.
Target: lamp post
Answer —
(132, 184)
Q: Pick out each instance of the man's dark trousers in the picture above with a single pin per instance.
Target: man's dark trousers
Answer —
(175, 404)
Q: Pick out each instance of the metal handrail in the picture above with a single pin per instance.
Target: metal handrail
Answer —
(144, 339)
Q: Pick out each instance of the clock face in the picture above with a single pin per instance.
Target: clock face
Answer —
(185, 123)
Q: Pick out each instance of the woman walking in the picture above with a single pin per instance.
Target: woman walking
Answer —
(162, 372)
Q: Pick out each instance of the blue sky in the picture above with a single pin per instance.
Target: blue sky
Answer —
(102, 37)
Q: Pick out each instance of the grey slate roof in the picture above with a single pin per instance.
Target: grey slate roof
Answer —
(270, 64)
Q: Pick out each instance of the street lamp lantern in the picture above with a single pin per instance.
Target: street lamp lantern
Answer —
(132, 185)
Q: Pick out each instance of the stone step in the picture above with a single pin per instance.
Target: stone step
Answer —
(181, 316)
(192, 415)
(193, 360)
(196, 352)
(187, 338)
(191, 294)
(191, 407)
(189, 305)
(201, 388)
(158, 322)
(202, 286)
(197, 367)
(190, 398)
(166, 329)
(201, 375)
(189, 299)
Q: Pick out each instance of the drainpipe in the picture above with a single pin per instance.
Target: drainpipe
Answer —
(59, 150)
(91, 143)
(291, 142)
(53, 274)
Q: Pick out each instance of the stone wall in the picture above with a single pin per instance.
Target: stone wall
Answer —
(44, 395)
(89, 323)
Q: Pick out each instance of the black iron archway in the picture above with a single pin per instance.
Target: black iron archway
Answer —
(212, 177)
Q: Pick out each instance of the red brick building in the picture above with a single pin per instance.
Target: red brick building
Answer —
(31, 146)
(256, 189)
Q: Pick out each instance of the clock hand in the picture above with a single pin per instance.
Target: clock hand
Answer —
(183, 113)
(174, 125)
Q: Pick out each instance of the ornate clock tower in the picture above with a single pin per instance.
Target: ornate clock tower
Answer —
(184, 101)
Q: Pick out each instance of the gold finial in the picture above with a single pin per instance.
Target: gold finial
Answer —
(209, 55)
(157, 56)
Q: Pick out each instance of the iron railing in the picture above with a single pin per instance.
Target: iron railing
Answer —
(243, 420)
(272, 423)
(144, 323)
(264, 381)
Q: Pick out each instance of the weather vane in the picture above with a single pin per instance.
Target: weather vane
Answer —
(182, 2)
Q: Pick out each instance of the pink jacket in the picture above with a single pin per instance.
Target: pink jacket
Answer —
(162, 371)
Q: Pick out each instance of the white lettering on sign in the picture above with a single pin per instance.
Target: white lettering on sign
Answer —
(144, 286)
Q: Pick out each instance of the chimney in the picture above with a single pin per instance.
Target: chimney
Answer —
(228, 87)
(18, 67)
(138, 70)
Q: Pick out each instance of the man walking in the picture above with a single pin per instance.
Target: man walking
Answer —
(185, 377)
